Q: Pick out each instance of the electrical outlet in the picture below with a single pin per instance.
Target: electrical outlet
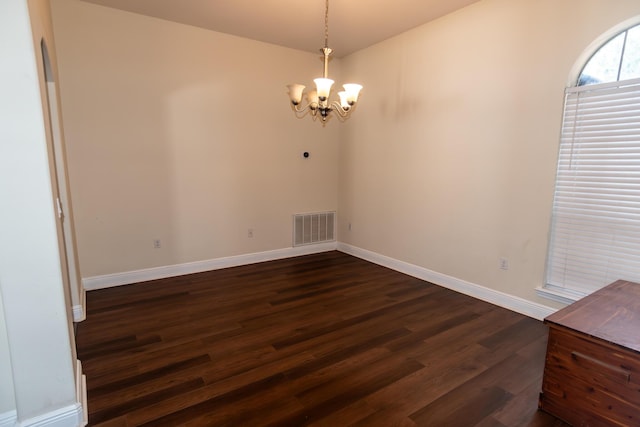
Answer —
(156, 243)
(504, 264)
(250, 233)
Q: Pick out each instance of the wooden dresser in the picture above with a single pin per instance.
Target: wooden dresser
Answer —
(592, 367)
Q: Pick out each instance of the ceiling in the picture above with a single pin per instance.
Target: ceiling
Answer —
(298, 24)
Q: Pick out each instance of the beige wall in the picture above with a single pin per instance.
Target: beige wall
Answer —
(450, 162)
(184, 135)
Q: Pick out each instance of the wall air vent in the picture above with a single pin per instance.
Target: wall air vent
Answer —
(314, 228)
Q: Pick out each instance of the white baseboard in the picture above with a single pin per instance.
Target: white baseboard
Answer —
(69, 416)
(79, 313)
(517, 304)
(126, 278)
(75, 415)
(8, 419)
(81, 393)
(513, 303)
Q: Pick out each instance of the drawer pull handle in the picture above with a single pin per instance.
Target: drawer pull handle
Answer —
(585, 359)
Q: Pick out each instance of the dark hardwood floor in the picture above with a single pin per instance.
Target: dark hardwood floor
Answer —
(322, 340)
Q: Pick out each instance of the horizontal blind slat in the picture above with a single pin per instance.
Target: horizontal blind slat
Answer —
(595, 235)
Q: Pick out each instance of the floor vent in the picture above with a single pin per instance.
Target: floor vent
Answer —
(314, 228)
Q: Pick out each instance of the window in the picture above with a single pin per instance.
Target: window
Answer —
(618, 59)
(595, 229)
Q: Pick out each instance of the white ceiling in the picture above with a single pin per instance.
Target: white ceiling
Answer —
(299, 24)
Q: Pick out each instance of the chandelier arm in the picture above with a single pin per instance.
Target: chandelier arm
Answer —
(299, 108)
(302, 110)
(335, 106)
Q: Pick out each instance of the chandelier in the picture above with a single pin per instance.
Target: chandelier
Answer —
(318, 103)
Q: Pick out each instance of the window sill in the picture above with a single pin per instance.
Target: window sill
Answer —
(561, 295)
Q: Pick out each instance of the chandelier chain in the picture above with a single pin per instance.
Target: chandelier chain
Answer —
(326, 24)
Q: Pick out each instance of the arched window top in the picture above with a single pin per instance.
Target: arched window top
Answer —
(618, 59)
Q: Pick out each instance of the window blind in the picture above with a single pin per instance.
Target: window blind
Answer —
(595, 229)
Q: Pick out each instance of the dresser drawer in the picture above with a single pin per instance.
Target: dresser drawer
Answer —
(593, 382)
(593, 360)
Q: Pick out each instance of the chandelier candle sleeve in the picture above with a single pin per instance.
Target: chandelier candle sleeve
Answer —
(319, 100)
(323, 87)
(352, 90)
(343, 101)
(295, 92)
(312, 99)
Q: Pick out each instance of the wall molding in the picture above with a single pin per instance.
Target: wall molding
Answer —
(126, 278)
(79, 312)
(510, 302)
(74, 415)
(81, 392)
(9, 419)
(68, 416)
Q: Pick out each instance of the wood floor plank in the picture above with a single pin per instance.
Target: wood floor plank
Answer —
(413, 392)
(325, 340)
(144, 401)
(490, 382)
